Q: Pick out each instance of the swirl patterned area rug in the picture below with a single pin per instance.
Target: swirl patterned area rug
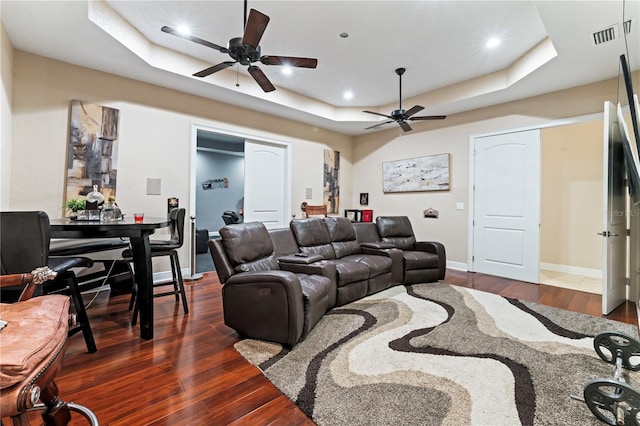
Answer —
(438, 354)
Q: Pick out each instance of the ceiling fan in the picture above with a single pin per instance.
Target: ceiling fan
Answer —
(401, 116)
(246, 50)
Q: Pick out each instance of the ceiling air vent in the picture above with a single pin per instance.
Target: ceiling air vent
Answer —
(605, 35)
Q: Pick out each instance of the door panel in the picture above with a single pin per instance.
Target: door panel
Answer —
(614, 237)
(507, 205)
(266, 184)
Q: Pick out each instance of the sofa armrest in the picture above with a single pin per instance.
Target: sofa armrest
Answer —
(327, 269)
(435, 248)
(397, 262)
(266, 305)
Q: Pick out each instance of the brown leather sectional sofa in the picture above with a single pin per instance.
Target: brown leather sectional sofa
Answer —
(277, 284)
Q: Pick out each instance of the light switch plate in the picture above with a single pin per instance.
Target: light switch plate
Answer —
(459, 206)
(309, 193)
(154, 186)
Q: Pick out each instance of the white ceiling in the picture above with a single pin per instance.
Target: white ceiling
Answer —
(546, 46)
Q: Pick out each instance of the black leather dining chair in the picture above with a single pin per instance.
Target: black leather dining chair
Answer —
(165, 248)
(24, 246)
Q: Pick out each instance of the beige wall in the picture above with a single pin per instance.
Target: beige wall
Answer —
(156, 134)
(451, 228)
(6, 96)
(154, 138)
(571, 205)
(453, 135)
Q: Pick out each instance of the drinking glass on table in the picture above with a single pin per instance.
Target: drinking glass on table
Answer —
(138, 217)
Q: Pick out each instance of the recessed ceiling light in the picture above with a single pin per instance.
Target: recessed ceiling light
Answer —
(347, 95)
(344, 35)
(492, 42)
(183, 29)
(286, 70)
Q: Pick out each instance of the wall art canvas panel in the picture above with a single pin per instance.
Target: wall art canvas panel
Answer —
(417, 174)
(331, 184)
(92, 152)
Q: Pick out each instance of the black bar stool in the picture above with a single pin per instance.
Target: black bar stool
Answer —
(165, 248)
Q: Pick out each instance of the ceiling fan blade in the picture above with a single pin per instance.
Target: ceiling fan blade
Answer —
(429, 117)
(256, 24)
(215, 68)
(379, 124)
(261, 79)
(377, 113)
(194, 39)
(413, 110)
(289, 60)
(405, 126)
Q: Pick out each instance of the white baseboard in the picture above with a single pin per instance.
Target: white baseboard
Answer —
(165, 276)
(574, 270)
(459, 266)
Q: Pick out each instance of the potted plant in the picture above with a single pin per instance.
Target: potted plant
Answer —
(74, 205)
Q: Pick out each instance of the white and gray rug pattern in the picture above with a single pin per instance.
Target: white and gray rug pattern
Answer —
(436, 354)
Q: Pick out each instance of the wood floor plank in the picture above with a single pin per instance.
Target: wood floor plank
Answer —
(189, 374)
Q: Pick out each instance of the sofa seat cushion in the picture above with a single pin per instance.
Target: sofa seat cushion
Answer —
(420, 260)
(349, 272)
(377, 264)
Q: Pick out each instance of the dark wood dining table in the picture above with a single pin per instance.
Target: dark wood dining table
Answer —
(138, 234)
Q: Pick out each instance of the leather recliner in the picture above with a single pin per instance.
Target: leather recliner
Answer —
(423, 261)
(260, 299)
(358, 274)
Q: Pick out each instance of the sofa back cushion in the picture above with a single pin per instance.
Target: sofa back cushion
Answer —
(396, 230)
(248, 247)
(313, 237)
(343, 236)
(284, 242)
(366, 232)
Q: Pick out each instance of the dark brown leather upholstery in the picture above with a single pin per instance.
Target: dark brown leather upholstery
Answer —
(358, 273)
(424, 261)
(260, 300)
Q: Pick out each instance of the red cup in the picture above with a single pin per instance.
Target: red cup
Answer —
(138, 217)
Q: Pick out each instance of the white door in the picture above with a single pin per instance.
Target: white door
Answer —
(266, 184)
(614, 234)
(506, 234)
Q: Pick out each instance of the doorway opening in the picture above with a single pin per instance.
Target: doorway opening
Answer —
(242, 172)
(219, 188)
(571, 206)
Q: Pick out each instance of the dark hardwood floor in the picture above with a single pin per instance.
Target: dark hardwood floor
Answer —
(189, 374)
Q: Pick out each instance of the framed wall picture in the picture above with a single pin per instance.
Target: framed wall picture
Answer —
(92, 151)
(331, 181)
(364, 198)
(429, 173)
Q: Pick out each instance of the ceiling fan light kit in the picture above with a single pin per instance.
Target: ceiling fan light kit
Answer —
(401, 116)
(246, 50)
